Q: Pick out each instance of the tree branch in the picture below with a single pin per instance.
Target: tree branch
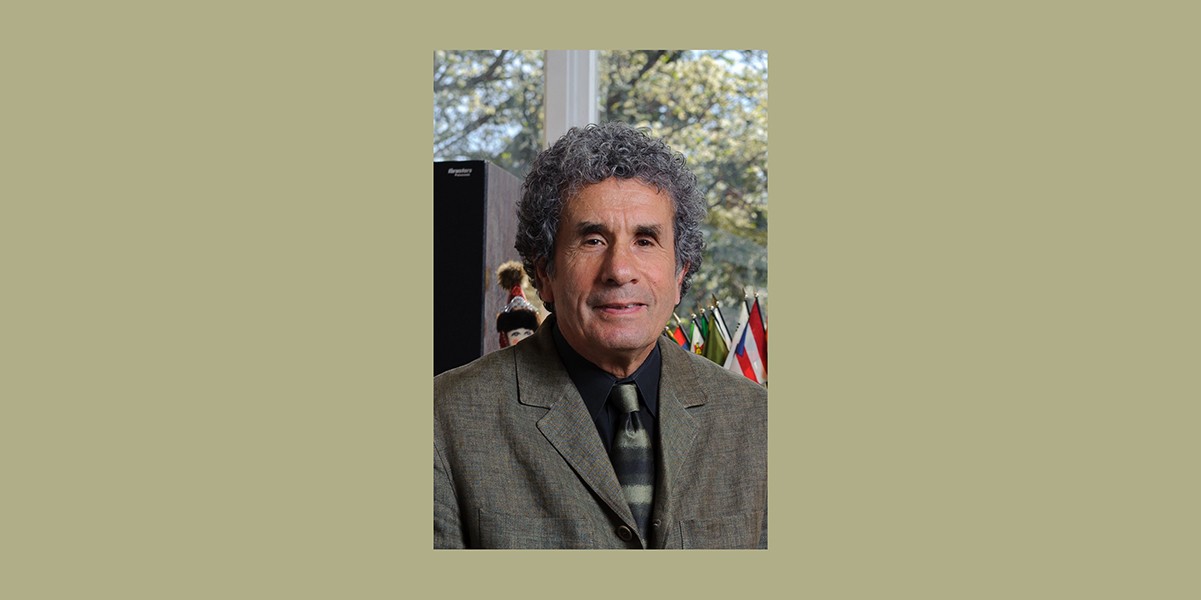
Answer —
(490, 73)
(480, 121)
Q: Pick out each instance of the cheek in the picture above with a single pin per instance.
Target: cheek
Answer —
(573, 276)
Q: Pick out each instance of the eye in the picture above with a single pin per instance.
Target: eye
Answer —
(593, 241)
(646, 242)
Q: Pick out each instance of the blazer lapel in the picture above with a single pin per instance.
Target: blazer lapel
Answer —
(678, 391)
(543, 381)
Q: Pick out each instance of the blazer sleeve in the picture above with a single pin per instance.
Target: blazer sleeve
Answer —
(448, 527)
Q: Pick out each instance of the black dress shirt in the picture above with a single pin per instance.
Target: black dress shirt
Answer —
(594, 385)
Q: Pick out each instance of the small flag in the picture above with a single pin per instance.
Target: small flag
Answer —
(698, 341)
(758, 325)
(716, 349)
(744, 357)
(744, 313)
(681, 340)
(721, 322)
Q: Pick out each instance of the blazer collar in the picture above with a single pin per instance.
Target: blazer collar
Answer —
(541, 377)
(680, 388)
(542, 381)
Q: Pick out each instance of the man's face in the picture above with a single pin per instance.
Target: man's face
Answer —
(615, 280)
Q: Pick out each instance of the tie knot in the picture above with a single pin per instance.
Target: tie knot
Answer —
(625, 396)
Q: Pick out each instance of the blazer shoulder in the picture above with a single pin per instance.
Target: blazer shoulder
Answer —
(482, 377)
(716, 380)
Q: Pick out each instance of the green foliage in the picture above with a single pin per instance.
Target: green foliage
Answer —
(488, 106)
(710, 105)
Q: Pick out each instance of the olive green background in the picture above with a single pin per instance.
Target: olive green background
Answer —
(215, 234)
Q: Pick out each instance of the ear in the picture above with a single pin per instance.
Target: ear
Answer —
(680, 283)
(544, 290)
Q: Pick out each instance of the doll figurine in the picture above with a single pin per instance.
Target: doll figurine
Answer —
(519, 319)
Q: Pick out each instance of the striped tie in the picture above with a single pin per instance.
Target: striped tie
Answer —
(633, 456)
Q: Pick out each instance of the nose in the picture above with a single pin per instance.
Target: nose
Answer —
(619, 266)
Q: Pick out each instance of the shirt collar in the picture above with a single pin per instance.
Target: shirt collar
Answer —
(594, 383)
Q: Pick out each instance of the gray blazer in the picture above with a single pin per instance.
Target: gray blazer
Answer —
(518, 462)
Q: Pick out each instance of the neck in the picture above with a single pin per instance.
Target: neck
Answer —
(619, 367)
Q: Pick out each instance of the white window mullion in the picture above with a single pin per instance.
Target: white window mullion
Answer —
(571, 89)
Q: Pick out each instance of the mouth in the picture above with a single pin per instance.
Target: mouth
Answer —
(619, 308)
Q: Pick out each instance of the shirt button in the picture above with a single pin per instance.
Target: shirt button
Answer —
(624, 533)
(657, 524)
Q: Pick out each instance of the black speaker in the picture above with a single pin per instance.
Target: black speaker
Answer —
(475, 228)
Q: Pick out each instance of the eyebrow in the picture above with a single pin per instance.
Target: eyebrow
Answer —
(651, 231)
(590, 227)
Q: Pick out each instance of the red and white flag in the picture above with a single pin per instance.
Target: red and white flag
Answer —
(745, 357)
(758, 325)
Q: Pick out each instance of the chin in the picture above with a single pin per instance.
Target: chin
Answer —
(623, 341)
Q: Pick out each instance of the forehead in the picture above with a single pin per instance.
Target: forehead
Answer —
(617, 196)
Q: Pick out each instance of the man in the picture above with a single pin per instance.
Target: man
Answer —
(597, 431)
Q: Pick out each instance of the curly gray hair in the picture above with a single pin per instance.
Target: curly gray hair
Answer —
(592, 154)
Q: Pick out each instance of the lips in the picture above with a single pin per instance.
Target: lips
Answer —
(619, 308)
